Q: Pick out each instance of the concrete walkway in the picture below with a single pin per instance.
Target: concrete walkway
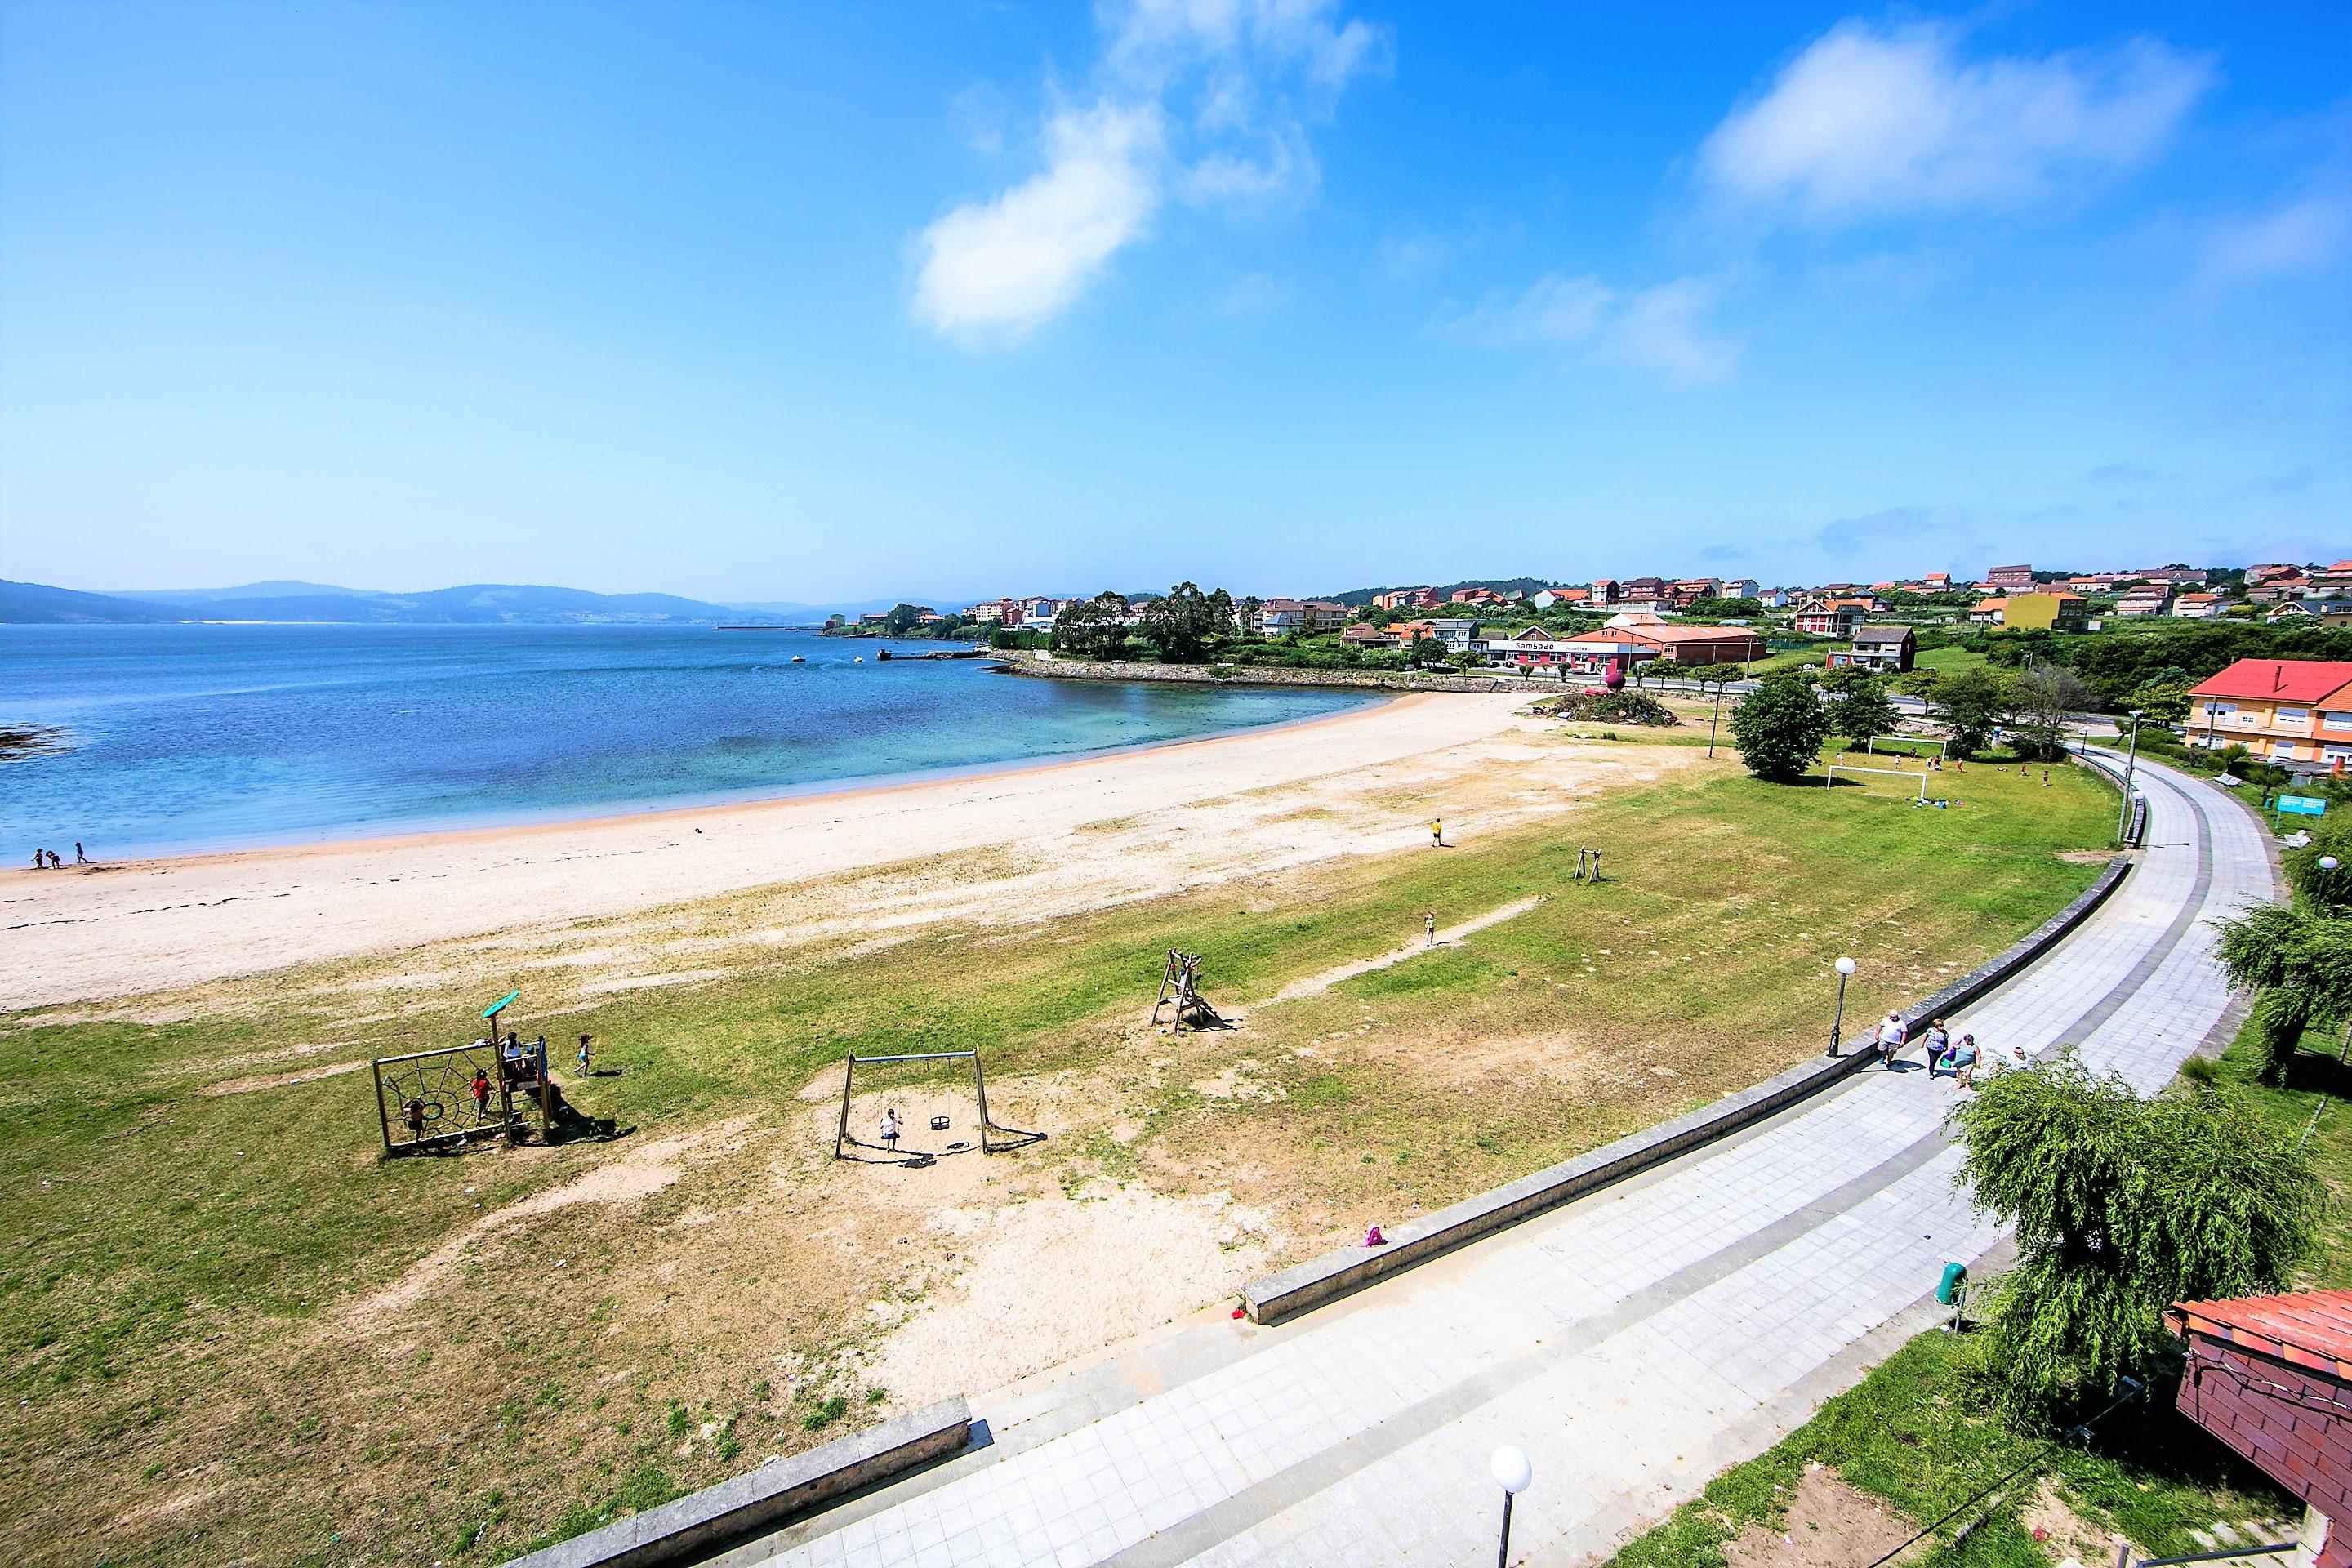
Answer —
(1633, 1344)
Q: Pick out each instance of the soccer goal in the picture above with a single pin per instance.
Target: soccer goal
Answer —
(1901, 745)
(934, 1113)
(1856, 768)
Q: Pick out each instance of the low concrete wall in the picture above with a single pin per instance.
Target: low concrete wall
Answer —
(705, 1521)
(1335, 1274)
(1269, 675)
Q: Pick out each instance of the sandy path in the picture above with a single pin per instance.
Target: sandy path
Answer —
(156, 925)
(1316, 984)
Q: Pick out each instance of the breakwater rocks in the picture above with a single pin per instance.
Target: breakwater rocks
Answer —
(1264, 675)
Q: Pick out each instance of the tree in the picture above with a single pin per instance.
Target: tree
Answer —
(1090, 628)
(2122, 1205)
(2161, 701)
(1974, 702)
(1182, 625)
(1780, 728)
(2298, 964)
(1861, 711)
(2043, 698)
(903, 618)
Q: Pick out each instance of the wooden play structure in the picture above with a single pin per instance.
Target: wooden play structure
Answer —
(455, 1095)
(1180, 983)
(924, 1144)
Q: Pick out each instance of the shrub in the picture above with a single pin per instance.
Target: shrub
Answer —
(1613, 708)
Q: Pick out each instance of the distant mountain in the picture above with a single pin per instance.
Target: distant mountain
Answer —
(796, 613)
(37, 604)
(281, 590)
(1360, 596)
(478, 604)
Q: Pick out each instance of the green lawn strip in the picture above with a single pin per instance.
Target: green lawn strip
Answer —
(2315, 1081)
(1950, 660)
(1912, 1433)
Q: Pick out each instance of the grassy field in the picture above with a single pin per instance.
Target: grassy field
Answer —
(2316, 1082)
(1950, 660)
(202, 1363)
(1912, 1441)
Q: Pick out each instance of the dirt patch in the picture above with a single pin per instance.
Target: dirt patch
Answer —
(2086, 856)
(1040, 1281)
(1830, 1525)
(2062, 1532)
(642, 1170)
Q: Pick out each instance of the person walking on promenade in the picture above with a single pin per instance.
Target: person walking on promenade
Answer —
(1891, 1036)
(1938, 1041)
(1964, 1061)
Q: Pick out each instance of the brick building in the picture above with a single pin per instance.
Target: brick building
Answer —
(2270, 1376)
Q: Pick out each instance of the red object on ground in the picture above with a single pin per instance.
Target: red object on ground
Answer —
(1373, 1237)
(1237, 1312)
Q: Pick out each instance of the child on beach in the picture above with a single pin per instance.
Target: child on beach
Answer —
(890, 1130)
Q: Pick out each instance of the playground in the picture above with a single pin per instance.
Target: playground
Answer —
(249, 1276)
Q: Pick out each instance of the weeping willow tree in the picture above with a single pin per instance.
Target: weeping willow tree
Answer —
(2298, 964)
(2122, 1205)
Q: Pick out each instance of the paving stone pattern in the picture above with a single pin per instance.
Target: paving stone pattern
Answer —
(1633, 1344)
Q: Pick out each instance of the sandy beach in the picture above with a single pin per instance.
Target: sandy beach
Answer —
(1078, 833)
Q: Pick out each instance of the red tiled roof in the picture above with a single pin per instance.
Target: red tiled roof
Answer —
(2288, 679)
(2311, 1329)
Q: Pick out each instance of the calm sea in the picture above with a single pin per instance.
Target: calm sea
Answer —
(185, 738)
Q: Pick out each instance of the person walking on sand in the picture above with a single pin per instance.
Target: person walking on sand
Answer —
(1437, 833)
(1429, 923)
(79, 858)
(890, 1130)
(40, 859)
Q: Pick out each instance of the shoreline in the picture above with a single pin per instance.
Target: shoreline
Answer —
(556, 819)
(1029, 665)
(139, 928)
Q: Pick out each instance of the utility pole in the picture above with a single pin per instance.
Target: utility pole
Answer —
(2131, 763)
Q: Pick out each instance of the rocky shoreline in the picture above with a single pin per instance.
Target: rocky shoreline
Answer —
(1262, 675)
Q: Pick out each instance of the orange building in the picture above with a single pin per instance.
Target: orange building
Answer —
(2293, 710)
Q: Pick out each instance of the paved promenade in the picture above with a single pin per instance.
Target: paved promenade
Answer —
(1633, 1344)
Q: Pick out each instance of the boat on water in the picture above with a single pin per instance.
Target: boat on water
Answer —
(857, 659)
(798, 659)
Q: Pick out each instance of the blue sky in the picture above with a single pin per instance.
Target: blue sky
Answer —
(829, 302)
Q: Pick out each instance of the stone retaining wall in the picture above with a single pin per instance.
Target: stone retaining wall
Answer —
(1267, 675)
(702, 1522)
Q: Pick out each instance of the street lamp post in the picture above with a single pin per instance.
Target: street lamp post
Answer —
(2131, 765)
(2326, 883)
(1846, 968)
(1512, 1472)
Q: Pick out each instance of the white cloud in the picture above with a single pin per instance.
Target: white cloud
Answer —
(1872, 123)
(995, 270)
(1203, 100)
(1663, 328)
(2309, 234)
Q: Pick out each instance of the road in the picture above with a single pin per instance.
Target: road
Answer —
(1633, 1344)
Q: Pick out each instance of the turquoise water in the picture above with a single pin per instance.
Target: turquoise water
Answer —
(182, 737)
